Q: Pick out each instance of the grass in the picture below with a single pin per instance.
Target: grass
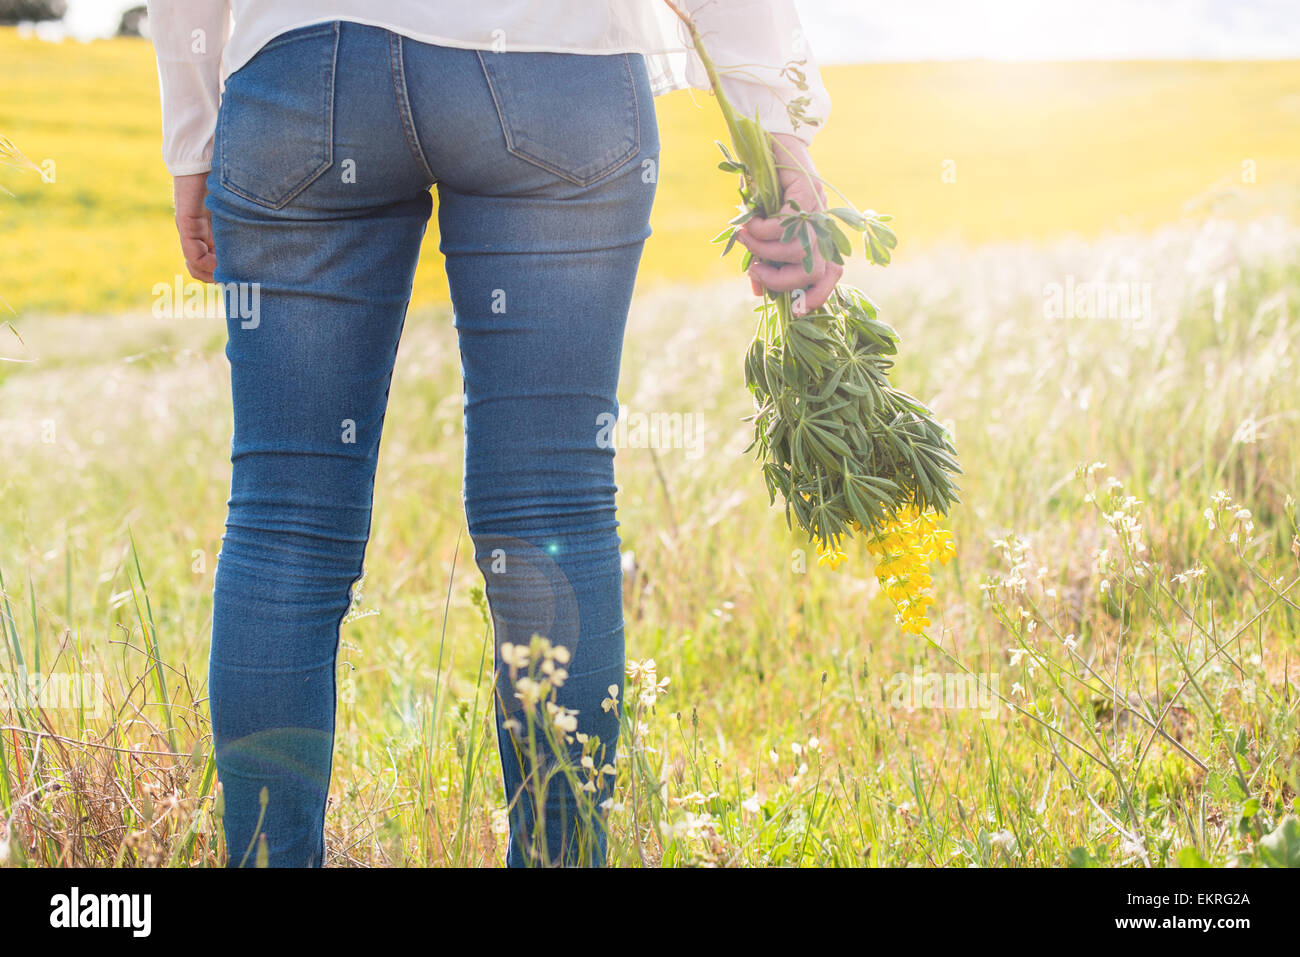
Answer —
(1109, 677)
(959, 152)
(1130, 716)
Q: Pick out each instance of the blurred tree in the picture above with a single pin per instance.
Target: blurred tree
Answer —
(13, 11)
(135, 22)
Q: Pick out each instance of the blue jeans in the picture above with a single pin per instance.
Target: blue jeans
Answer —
(327, 144)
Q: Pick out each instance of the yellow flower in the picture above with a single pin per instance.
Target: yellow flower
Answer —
(904, 551)
(914, 626)
(832, 556)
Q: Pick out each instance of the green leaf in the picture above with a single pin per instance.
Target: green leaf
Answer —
(878, 253)
(1079, 857)
(842, 242)
(827, 247)
(884, 234)
(1235, 790)
(1241, 745)
(1191, 857)
(1281, 846)
(850, 216)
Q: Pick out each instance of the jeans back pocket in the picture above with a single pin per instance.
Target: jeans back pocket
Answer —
(275, 131)
(574, 114)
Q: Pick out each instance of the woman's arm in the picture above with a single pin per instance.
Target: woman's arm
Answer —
(761, 53)
(188, 37)
(757, 46)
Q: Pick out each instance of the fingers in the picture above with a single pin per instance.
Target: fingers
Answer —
(778, 266)
(762, 236)
(779, 278)
(194, 226)
(820, 291)
(197, 247)
(763, 230)
(787, 278)
(816, 285)
(771, 250)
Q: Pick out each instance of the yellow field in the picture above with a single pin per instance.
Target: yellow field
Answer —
(966, 151)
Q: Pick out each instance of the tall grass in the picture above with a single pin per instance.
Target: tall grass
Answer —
(1134, 656)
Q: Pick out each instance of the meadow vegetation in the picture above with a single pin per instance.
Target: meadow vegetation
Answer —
(1109, 676)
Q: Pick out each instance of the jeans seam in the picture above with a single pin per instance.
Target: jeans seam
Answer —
(398, 61)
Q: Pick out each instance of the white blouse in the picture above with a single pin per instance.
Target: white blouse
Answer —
(201, 42)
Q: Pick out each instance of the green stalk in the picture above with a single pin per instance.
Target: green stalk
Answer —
(149, 629)
(844, 449)
(753, 146)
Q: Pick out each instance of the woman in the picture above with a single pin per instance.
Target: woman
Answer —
(306, 194)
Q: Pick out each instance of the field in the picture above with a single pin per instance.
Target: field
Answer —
(1110, 676)
(959, 153)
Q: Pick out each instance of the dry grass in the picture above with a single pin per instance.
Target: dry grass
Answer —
(765, 651)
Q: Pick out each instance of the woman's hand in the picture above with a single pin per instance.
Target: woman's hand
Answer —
(194, 225)
(778, 266)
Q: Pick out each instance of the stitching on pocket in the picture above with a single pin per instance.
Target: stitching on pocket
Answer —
(516, 150)
(327, 85)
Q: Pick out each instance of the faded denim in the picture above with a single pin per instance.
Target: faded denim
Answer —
(327, 144)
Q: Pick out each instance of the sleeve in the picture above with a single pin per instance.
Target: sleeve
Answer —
(764, 62)
(188, 38)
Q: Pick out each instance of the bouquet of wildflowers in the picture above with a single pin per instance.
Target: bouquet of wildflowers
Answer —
(848, 453)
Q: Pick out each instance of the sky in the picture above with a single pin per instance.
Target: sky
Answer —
(841, 31)
(847, 31)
